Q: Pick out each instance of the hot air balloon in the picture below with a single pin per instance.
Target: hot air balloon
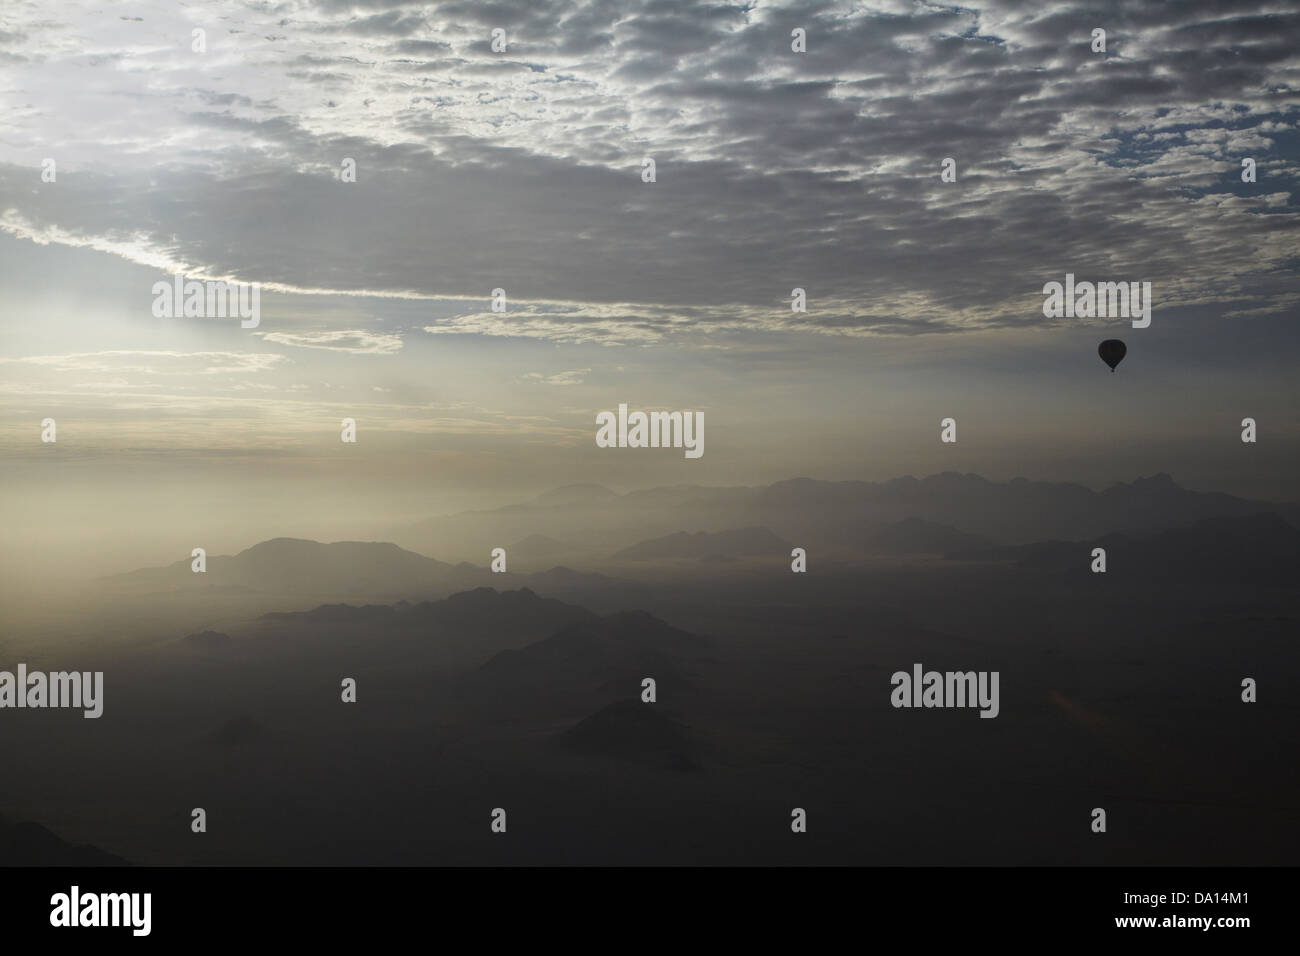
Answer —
(1112, 352)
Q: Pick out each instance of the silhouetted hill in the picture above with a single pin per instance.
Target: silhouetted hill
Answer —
(469, 625)
(598, 654)
(289, 572)
(733, 543)
(296, 566)
(633, 730)
(30, 844)
(486, 609)
(1260, 548)
(338, 614)
(536, 545)
(581, 494)
(918, 536)
(588, 588)
(562, 577)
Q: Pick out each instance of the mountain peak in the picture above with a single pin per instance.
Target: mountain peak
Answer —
(954, 478)
(1158, 480)
(573, 494)
(1159, 483)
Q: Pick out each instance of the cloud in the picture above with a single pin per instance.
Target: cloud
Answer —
(155, 362)
(775, 169)
(573, 377)
(358, 343)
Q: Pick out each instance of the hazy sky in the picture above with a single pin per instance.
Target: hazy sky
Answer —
(523, 170)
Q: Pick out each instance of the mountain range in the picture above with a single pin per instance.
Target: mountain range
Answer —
(1261, 549)
(813, 513)
(703, 545)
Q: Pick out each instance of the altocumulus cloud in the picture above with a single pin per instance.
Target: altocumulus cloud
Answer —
(775, 169)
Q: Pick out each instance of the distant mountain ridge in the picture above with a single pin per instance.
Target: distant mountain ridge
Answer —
(536, 545)
(808, 510)
(298, 565)
(917, 536)
(702, 544)
(1262, 548)
(465, 629)
(947, 513)
(342, 570)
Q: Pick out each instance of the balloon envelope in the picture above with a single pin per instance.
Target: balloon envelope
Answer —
(1112, 352)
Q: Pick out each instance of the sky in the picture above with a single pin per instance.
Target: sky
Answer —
(522, 169)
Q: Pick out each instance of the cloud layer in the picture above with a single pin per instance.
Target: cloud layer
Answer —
(522, 170)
